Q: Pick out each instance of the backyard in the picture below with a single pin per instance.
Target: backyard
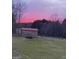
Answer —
(38, 48)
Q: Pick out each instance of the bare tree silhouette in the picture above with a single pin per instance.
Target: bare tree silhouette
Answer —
(54, 17)
(18, 9)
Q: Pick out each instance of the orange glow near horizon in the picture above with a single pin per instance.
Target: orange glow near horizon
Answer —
(25, 20)
(32, 19)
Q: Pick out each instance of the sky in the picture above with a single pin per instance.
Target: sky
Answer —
(43, 9)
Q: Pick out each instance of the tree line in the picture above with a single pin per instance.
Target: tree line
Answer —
(45, 27)
(48, 28)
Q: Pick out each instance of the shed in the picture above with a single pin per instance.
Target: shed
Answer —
(28, 32)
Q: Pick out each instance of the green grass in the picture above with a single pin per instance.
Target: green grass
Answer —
(39, 49)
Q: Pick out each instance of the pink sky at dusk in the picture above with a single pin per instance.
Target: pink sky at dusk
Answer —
(43, 9)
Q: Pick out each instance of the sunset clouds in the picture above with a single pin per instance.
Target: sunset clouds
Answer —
(44, 8)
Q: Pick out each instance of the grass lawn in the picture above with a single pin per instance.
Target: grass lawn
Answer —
(38, 48)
